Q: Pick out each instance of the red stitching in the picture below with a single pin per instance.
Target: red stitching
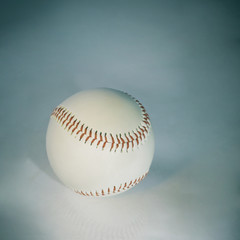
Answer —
(106, 137)
(94, 138)
(136, 137)
(83, 134)
(112, 142)
(131, 139)
(104, 144)
(72, 124)
(146, 122)
(66, 119)
(145, 129)
(75, 127)
(127, 141)
(119, 189)
(114, 189)
(129, 184)
(80, 130)
(59, 113)
(64, 112)
(82, 193)
(142, 132)
(146, 116)
(118, 142)
(140, 135)
(90, 135)
(69, 121)
(123, 142)
(63, 116)
(100, 140)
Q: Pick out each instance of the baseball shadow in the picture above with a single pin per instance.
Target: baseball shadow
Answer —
(122, 216)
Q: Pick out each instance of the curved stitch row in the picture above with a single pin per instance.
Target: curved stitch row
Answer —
(114, 189)
(119, 141)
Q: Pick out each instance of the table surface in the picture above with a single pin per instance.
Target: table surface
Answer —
(180, 59)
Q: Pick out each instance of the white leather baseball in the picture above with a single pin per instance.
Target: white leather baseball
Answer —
(100, 142)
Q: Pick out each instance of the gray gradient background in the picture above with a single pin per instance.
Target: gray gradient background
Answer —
(180, 59)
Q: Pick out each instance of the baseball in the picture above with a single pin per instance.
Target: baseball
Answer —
(100, 142)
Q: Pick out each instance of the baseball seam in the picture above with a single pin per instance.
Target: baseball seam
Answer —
(116, 142)
(114, 189)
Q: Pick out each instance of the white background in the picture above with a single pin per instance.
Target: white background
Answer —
(180, 59)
